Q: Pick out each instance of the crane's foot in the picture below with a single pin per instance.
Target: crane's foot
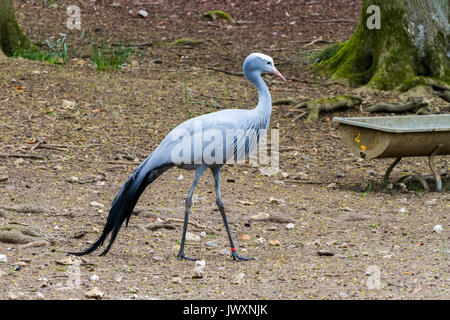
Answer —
(181, 256)
(237, 257)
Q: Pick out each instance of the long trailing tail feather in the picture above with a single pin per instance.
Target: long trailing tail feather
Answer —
(124, 203)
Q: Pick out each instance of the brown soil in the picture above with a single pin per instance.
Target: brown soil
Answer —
(340, 206)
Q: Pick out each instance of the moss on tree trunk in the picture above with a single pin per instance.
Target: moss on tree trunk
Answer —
(412, 43)
(11, 36)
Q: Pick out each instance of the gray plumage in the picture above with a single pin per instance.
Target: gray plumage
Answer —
(207, 141)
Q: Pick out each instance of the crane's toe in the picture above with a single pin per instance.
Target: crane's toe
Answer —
(181, 256)
(237, 257)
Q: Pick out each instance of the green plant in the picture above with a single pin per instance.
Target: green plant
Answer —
(58, 47)
(112, 59)
(186, 98)
(57, 52)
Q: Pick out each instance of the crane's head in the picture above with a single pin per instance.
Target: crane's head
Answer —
(259, 62)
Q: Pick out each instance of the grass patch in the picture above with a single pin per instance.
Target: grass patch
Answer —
(106, 59)
(214, 14)
(57, 52)
(326, 53)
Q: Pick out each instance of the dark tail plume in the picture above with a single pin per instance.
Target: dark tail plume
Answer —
(124, 203)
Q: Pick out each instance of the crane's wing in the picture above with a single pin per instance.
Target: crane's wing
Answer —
(215, 138)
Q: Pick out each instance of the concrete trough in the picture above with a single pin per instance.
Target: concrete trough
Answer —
(397, 137)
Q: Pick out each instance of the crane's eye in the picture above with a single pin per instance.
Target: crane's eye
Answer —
(268, 62)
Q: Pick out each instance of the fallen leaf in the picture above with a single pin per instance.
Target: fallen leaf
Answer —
(246, 203)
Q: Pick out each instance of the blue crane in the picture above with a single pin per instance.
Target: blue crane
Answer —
(207, 141)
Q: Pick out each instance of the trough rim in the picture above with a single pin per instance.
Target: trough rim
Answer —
(355, 121)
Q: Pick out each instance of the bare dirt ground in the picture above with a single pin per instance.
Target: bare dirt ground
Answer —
(379, 243)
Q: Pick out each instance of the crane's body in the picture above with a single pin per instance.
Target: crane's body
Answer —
(207, 141)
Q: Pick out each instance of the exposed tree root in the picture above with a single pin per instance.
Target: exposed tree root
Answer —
(436, 84)
(17, 234)
(14, 237)
(25, 209)
(413, 106)
(315, 107)
(445, 95)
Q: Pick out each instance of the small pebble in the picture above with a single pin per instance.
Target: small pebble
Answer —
(437, 228)
(19, 161)
(94, 277)
(275, 243)
(97, 204)
(157, 258)
(211, 244)
(3, 258)
(261, 216)
(15, 295)
(39, 296)
(94, 293)
(134, 290)
(143, 13)
(290, 226)
(238, 278)
(198, 273)
(192, 237)
(176, 280)
(260, 240)
(275, 200)
(72, 179)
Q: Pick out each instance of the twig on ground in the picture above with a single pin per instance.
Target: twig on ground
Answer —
(16, 155)
(304, 181)
(137, 45)
(189, 222)
(226, 71)
(301, 115)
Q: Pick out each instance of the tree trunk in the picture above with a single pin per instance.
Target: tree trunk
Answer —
(412, 45)
(11, 36)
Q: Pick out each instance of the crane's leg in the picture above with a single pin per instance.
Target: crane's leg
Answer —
(216, 173)
(198, 173)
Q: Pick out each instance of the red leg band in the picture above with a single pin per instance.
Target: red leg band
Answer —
(233, 249)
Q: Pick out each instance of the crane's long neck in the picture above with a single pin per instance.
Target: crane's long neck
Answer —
(265, 101)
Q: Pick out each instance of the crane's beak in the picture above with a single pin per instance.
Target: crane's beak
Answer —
(275, 71)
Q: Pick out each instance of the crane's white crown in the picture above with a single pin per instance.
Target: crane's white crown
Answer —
(262, 56)
(258, 62)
